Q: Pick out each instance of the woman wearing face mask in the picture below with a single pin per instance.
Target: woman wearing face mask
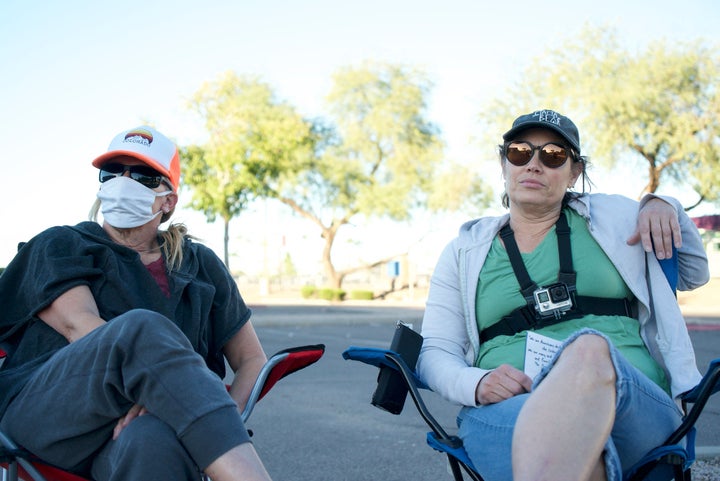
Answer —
(117, 336)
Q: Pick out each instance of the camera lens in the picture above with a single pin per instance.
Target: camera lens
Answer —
(559, 293)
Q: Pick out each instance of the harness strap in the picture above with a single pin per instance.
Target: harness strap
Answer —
(566, 274)
(524, 318)
(527, 285)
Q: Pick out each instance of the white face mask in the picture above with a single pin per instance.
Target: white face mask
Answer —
(127, 203)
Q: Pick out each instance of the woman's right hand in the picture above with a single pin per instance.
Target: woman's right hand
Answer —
(135, 411)
(502, 383)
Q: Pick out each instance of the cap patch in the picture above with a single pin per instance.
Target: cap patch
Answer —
(549, 116)
(139, 136)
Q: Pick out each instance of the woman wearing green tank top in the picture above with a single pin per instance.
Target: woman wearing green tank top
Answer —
(554, 325)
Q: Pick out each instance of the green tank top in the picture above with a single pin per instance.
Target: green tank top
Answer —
(498, 294)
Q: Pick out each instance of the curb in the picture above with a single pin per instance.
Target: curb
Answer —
(707, 452)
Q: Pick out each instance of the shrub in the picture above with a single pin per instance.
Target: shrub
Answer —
(330, 294)
(308, 291)
(362, 295)
(326, 293)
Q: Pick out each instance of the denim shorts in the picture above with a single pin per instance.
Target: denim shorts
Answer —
(645, 417)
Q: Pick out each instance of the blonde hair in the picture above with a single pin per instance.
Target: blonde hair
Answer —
(171, 239)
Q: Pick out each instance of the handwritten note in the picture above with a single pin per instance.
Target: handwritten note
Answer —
(539, 351)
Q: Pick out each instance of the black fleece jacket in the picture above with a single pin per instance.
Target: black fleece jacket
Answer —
(204, 300)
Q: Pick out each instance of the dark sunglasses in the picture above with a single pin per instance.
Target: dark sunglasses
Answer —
(551, 155)
(145, 175)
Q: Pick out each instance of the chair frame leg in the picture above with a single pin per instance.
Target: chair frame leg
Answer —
(455, 468)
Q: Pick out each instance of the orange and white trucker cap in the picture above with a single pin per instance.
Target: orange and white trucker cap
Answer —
(149, 146)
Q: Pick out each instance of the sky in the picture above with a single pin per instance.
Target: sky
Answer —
(77, 72)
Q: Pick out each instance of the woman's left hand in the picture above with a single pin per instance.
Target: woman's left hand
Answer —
(658, 228)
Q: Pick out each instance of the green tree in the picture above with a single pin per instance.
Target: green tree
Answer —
(253, 138)
(377, 155)
(379, 158)
(659, 106)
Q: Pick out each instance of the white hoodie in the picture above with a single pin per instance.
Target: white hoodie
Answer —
(449, 328)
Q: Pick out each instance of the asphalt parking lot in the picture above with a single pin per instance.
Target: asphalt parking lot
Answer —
(319, 424)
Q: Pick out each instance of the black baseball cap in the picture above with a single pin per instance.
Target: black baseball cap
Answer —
(548, 119)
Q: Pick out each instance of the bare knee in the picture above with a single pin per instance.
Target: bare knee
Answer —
(589, 355)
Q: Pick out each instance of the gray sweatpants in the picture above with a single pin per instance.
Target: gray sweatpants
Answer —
(66, 413)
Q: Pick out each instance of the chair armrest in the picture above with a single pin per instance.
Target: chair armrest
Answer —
(698, 396)
(707, 386)
(378, 357)
(17, 455)
(279, 365)
(387, 358)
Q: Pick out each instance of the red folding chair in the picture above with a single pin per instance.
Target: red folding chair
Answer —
(17, 464)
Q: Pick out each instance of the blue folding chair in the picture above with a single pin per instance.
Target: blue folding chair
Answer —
(670, 460)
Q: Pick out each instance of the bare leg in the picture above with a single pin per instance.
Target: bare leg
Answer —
(239, 464)
(562, 428)
(599, 473)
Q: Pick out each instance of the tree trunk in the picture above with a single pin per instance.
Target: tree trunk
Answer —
(653, 177)
(334, 278)
(654, 181)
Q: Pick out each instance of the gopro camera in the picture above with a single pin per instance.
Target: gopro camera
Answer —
(553, 300)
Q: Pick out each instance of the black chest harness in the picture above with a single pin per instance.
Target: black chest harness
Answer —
(554, 303)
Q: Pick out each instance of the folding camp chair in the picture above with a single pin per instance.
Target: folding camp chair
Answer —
(673, 457)
(16, 463)
(671, 460)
